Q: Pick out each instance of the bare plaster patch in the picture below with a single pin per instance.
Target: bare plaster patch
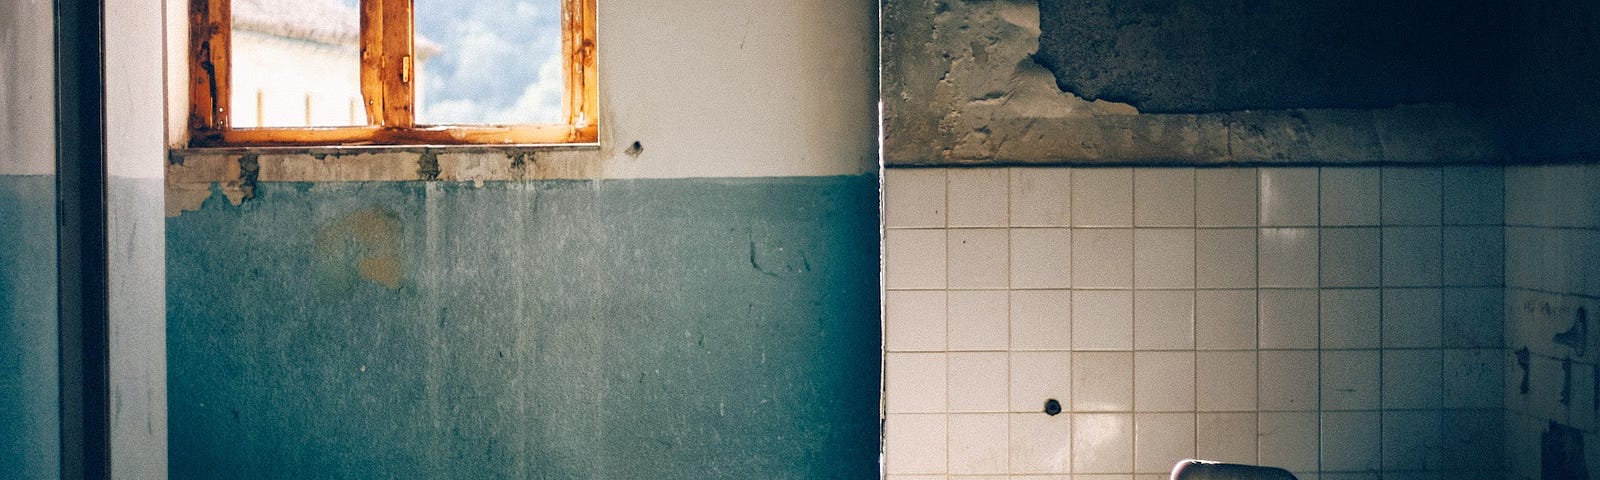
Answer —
(370, 235)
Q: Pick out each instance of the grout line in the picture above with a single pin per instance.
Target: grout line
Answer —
(1382, 318)
(1257, 304)
(946, 410)
(1318, 314)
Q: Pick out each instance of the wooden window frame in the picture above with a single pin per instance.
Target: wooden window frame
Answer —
(387, 45)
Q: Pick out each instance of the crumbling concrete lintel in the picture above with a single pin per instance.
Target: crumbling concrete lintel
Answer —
(961, 88)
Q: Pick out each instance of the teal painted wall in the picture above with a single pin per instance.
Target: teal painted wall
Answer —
(29, 399)
(709, 328)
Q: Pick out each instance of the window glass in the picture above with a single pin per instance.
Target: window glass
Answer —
(488, 61)
(296, 63)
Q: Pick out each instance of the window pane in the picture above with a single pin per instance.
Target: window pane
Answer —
(296, 63)
(488, 61)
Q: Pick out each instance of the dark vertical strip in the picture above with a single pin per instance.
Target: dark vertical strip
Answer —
(82, 251)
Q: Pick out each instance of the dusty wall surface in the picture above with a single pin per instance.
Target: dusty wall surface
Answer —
(718, 328)
(961, 86)
(135, 156)
(29, 398)
(1174, 57)
(703, 305)
(1556, 81)
(1552, 300)
(29, 385)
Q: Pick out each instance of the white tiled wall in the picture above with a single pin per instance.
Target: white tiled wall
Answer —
(1552, 269)
(1338, 322)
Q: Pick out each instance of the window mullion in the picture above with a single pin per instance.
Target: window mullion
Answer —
(399, 66)
(372, 95)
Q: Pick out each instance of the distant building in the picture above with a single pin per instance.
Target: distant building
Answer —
(296, 63)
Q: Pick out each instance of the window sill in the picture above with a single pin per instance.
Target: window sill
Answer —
(382, 163)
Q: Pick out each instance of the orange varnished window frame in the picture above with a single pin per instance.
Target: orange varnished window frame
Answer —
(387, 47)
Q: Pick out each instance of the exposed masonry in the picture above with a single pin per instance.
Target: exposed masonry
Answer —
(192, 174)
(960, 86)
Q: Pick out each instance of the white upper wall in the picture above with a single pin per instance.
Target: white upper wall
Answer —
(134, 108)
(27, 79)
(713, 88)
(726, 88)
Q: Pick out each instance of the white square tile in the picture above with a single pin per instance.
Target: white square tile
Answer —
(1163, 319)
(1102, 197)
(1472, 435)
(1288, 257)
(913, 197)
(915, 444)
(1038, 377)
(1411, 196)
(1473, 256)
(1163, 197)
(1350, 196)
(1288, 318)
(1163, 258)
(1225, 258)
(1288, 197)
(1350, 441)
(1411, 318)
(1226, 437)
(979, 258)
(1411, 379)
(1350, 379)
(914, 382)
(1102, 319)
(1411, 440)
(1288, 379)
(978, 381)
(1524, 249)
(1041, 320)
(1102, 442)
(1523, 444)
(1041, 197)
(1225, 319)
(1411, 256)
(914, 321)
(1288, 440)
(978, 320)
(916, 477)
(1041, 258)
(1102, 381)
(1474, 317)
(978, 197)
(1161, 440)
(1351, 318)
(1525, 196)
(1163, 381)
(1040, 444)
(978, 443)
(914, 259)
(1225, 381)
(1102, 258)
(1225, 197)
(1103, 476)
(1351, 257)
(1474, 378)
(1473, 195)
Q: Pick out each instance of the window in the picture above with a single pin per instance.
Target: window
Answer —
(357, 72)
